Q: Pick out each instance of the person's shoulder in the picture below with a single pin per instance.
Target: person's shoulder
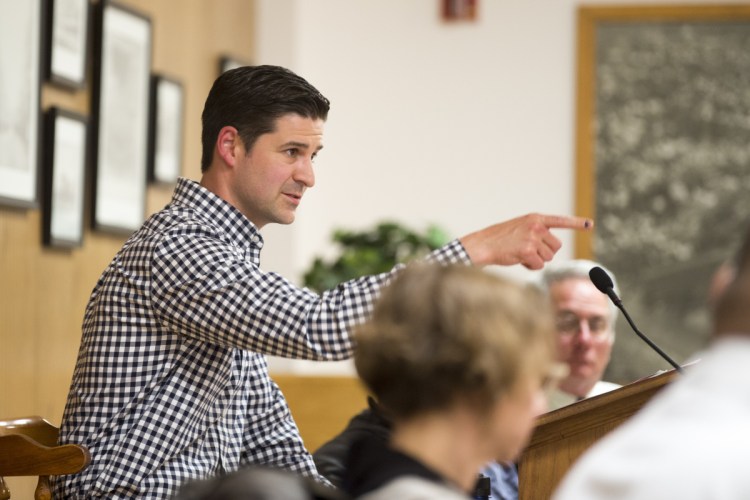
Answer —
(414, 488)
(176, 223)
(603, 386)
(330, 459)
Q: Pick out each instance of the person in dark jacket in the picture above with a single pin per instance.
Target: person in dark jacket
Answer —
(457, 358)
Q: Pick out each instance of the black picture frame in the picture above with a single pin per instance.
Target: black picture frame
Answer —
(20, 92)
(119, 121)
(165, 129)
(67, 44)
(227, 62)
(65, 157)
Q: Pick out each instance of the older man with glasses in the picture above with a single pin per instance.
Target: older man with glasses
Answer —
(585, 321)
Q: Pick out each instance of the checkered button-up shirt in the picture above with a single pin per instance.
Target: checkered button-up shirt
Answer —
(171, 381)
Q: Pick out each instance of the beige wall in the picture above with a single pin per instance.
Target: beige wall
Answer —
(43, 291)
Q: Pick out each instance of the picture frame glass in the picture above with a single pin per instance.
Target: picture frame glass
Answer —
(20, 40)
(167, 154)
(66, 202)
(122, 121)
(68, 42)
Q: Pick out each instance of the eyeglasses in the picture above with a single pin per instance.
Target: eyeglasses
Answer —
(570, 324)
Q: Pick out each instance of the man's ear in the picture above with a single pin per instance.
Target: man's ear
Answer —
(229, 145)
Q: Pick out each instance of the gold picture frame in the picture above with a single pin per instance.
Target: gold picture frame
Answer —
(588, 20)
(662, 164)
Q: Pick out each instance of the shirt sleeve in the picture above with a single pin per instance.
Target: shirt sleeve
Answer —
(206, 288)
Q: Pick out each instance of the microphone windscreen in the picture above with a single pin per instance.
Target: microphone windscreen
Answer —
(601, 280)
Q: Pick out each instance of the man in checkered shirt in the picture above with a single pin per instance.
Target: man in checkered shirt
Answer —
(171, 382)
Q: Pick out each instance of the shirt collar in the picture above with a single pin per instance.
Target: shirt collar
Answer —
(217, 212)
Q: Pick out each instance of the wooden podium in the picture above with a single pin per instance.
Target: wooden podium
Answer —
(561, 436)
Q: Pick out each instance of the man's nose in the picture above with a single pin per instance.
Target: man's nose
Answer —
(304, 173)
(584, 331)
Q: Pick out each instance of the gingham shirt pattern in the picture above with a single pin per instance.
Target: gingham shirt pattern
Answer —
(171, 381)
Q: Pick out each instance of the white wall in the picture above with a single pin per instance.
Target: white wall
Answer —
(460, 124)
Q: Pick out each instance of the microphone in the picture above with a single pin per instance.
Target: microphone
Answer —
(603, 283)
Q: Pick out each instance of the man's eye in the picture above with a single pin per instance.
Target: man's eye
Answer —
(292, 153)
(567, 323)
(597, 324)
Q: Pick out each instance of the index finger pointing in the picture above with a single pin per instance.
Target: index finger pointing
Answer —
(567, 222)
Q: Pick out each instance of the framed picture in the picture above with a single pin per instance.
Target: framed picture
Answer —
(120, 117)
(20, 120)
(165, 129)
(227, 62)
(663, 164)
(64, 178)
(459, 10)
(67, 51)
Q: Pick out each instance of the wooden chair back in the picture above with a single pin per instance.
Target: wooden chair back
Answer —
(28, 447)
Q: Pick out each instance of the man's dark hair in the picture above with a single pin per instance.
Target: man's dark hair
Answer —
(251, 99)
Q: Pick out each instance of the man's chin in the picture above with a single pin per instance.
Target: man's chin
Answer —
(583, 372)
(285, 219)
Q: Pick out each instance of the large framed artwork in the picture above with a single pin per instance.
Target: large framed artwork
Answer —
(20, 121)
(120, 117)
(64, 178)
(67, 48)
(663, 163)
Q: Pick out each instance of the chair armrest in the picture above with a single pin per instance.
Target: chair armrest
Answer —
(22, 456)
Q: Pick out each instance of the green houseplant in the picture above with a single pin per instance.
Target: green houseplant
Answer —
(371, 251)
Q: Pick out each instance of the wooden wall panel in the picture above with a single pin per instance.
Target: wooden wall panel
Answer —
(322, 405)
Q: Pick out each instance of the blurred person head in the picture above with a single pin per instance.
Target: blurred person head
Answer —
(584, 320)
(257, 483)
(720, 280)
(456, 344)
(732, 295)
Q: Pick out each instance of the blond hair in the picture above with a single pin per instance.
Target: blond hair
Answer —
(443, 334)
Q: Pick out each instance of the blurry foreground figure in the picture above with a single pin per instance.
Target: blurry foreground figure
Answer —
(258, 483)
(458, 359)
(330, 458)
